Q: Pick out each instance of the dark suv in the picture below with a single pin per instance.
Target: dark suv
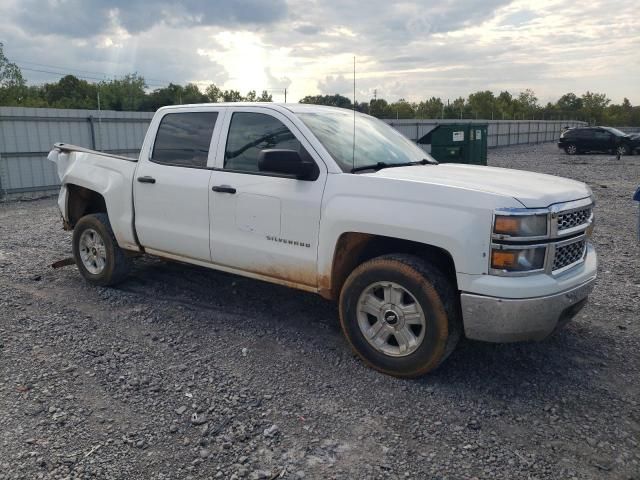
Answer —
(595, 139)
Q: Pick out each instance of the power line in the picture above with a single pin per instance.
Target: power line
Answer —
(85, 77)
(60, 67)
(104, 77)
(58, 73)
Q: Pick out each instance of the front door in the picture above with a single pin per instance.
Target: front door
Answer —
(171, 188)
(263, 222)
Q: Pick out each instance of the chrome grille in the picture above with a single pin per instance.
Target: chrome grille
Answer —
(568, 254)
(573, 219)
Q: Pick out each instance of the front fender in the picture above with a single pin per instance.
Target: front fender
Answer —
(455, 220)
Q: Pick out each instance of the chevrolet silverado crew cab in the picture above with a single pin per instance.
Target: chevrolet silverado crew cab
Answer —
(329, 201)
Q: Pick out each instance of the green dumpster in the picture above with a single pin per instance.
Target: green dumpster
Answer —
(458, 143)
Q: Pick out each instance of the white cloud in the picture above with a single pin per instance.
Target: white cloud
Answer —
(404, 49)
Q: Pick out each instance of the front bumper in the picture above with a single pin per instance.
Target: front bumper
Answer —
(494, 319)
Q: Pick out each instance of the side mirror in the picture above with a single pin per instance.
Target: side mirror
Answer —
(287, 162)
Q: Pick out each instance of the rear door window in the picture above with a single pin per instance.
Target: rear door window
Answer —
(183, 139)
(585, 133)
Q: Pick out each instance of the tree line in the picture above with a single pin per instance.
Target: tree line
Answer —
(131, 93)
(594, 108)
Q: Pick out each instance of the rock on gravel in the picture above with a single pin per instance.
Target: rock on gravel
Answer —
(102, 383)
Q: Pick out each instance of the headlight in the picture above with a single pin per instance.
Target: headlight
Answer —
(518, 260)
(521, 225)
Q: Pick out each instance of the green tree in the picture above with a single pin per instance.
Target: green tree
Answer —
(232, 96)
(431, 108)
(401, 109)
(619, 115)
(173, 95)
(527, 104)
(505, 105)
(71, 92)
(330, 100)
(192, 94)
(160, 97)
(570, 103)
(457, 109)
(12, 83)
(593, 106)
(265, 97)
(379, 108)
(127, 93)
(482, 104)
(213, 93)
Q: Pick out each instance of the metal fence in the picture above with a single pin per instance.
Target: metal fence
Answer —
(500, 133)
(27, 135)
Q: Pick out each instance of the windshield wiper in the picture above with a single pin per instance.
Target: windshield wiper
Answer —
(381, 165)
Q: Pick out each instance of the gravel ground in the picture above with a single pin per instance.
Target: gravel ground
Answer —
(182, 372)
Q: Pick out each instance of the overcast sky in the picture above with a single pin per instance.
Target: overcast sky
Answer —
(415, 50)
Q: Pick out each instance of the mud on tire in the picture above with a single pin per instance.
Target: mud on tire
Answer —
(411, 280)
(99, 258)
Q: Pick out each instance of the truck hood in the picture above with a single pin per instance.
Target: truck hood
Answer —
(533, 190)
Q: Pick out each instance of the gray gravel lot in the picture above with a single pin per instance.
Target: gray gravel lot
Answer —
(182, 372)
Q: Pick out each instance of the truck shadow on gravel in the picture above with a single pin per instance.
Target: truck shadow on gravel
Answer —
(542, 370)
(535, 370)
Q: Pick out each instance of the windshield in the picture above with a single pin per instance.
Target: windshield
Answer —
(615, 131)
(375, 141)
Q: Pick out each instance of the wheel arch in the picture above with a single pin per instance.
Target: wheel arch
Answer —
(354, 248)
(83, 201)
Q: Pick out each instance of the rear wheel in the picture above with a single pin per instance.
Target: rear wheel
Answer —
(99, 258)
(571, 149)
(400, 315)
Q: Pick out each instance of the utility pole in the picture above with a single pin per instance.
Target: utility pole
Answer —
(285, 95)
(375, 94)
(99, 116)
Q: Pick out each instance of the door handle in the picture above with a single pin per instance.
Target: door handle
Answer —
(146, 179)
(223, 189)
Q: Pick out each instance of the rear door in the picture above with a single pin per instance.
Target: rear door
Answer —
(603, 140)
(171, 188)
(262, 222)
(586, 139)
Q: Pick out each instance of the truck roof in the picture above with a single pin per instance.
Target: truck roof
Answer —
(292, 107)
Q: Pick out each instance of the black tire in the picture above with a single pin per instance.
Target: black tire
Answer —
(431, 289)
(571, 149)
(622, 150)
(117, 264)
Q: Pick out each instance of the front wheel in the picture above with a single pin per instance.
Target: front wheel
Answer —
(622, 150)
(400, 315)
(99, 258)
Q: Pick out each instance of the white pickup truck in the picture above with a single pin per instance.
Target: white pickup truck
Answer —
(328, 201)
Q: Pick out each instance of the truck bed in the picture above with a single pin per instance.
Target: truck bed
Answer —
(106, 174)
